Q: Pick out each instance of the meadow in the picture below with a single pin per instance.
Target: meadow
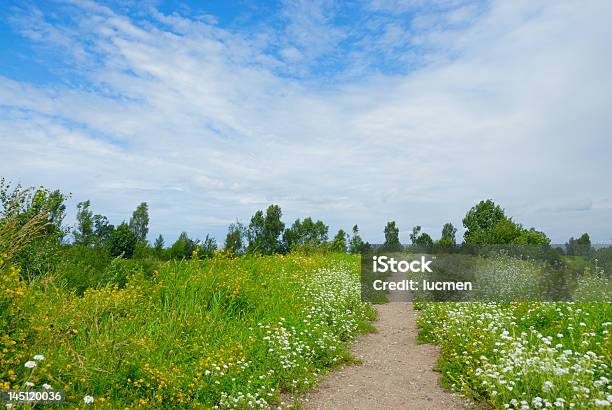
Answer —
(524, 355)
(225, 332)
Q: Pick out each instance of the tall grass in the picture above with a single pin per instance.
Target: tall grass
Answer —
(232, 333)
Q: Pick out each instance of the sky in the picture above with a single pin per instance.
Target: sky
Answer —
(355, 112)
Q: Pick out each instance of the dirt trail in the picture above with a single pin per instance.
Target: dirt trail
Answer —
(396, 373)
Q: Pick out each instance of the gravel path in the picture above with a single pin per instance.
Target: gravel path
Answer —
(395, 373)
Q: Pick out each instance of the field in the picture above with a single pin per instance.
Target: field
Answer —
(524, 354)
(226, 332)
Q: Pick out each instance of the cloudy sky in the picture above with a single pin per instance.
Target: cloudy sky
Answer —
(355, 113)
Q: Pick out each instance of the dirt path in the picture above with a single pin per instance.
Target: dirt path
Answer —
(396, 373)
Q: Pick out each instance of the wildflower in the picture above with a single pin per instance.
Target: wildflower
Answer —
(39, 357)
(547, 386)
(601, 403)
(29, 384)
(46, 386)
(30, 364)
(88, 399)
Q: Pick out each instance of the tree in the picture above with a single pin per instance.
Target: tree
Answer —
(38, 210)
(234, 242)
(158, 246)
(84, 229)
(122, 242)
(487, 224)
(414, 236)
(392, 242)
(102, 229)
(356, 243)
(531, 237)
(183, 248)
(255, 232)
(339, 242)
(448, 233)
(579, 247)
(207, 247)
(139, 222)
(306, 234)
(273, 228)
(480, 218)
(264, 231)
(420, 239)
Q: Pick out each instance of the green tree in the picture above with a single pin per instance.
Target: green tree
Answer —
(273, 228)
(420, 239)
(207, 247)
(84, 230)
(392, 242)
(264, 231)
(103, 229)
(139, 222)
(183, 248)
(487, 224)
(122, 242)
(579, 247)
(448, 234)
(531, 237)
(158, 246)
(234, 240)
(20, 206)
(255, 232)
(339, 242)
(307, 234)
(481, 218)
(356, 243)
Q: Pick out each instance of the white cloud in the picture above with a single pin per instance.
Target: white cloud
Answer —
(207, 126)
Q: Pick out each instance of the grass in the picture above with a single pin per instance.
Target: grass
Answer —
(524, 354)
(232, 333)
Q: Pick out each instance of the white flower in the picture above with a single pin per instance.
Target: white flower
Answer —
(30, 364)
(601, 403)
(547, 386)
(29, 384)
(47, 386)
(39, 357)
(88, 399)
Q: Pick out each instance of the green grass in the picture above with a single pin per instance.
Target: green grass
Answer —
(524, 355)
(220, 332)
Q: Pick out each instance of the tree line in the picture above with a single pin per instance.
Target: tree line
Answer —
(266, 233)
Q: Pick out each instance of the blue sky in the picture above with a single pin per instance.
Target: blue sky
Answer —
(357, 112)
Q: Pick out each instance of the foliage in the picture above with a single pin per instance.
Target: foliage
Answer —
(579, 247)
(525, 354)
(19, 207)
(339, 242)
(356, 244)
(392, 242)
(122, 242)
(264, 231)
(139, 222)
(183, 248)
(235, 239)
(307, 235)
(219, 332)
(84, 230)
(487, 224)
(447, 240)
(420, 239)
